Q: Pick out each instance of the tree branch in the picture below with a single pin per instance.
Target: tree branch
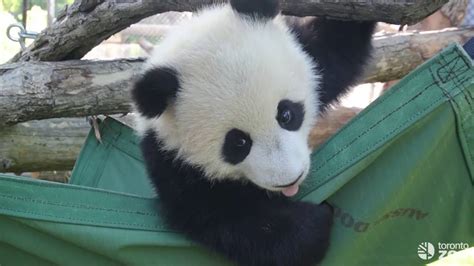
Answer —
(86, 23)
(42, 145)
(394, 12)
(397, 54)
(40, 90)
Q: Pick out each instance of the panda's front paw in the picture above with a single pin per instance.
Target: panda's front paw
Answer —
(312, 231)
(297, 235)
(285, 233)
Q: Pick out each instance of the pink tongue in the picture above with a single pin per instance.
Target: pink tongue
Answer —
(291, 190)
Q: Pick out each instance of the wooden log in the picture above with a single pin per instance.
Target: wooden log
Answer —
(330, 123)
(51, 144)
(40, 90)
(397, 54)
(394, 12)
(86, 23)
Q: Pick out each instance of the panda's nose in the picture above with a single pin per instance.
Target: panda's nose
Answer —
(292, 183)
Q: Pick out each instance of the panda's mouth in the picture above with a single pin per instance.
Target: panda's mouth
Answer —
(291, 189)
(292, 183)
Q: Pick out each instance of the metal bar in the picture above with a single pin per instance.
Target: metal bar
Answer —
(24, 12)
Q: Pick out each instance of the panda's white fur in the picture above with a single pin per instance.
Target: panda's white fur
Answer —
(225, 106)
(246, 67)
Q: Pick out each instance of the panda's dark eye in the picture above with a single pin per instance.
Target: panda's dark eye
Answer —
(237, 145)
(290, 115)
(240, 142)
(285, 116)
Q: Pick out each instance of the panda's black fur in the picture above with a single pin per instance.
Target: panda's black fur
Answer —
(341, 49)
(243, 222)
(238, 220)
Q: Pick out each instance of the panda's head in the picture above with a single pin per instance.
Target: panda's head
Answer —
(234, 94)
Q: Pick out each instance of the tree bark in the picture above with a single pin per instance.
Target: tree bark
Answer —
(394, 12)
(330, 123)
(450, 15)
(42, 145)
(86, 23)
(40, 90)
(398, 54)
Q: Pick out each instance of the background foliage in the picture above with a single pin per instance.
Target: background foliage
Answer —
(14, 7)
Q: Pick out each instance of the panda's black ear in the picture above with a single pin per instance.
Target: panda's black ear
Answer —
(258, 9)
(154, 90)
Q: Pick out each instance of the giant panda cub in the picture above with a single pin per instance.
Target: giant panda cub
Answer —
(225, 106)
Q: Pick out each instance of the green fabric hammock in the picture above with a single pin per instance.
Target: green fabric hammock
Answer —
(400, 175)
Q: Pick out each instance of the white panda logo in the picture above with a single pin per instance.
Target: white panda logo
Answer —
(426, 250)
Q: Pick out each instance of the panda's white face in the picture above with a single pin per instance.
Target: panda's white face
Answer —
(246, 99)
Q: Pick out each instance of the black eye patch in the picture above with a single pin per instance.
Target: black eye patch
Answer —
(290, 115)
(237, 145)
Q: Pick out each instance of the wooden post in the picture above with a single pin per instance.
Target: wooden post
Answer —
(51, 11)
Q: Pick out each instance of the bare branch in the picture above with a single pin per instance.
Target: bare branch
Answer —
(395, 12)
(397, 54)
(86, 23)
(42, 145)
(330, 123)
(40, 90)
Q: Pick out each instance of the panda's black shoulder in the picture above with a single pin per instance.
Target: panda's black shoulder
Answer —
(184, 188)
(340, 50)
